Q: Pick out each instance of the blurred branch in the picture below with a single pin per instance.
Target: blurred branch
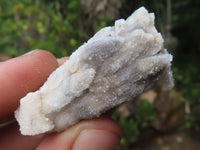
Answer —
(100, 9)
(169, 14)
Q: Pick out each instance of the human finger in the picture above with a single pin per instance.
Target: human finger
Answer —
(11, 139)
(21, 75)
(99, 134)
(62, 60)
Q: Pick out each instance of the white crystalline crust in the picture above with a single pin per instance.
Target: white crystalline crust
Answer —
(115, 65)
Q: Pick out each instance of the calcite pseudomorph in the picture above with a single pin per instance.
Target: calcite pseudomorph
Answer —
(117, 64)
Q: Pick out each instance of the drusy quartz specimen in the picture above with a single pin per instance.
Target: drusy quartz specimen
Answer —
(117, 64)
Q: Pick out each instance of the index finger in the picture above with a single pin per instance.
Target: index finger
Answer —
(21, 75)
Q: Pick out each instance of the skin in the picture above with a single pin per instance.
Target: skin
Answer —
(27, 73)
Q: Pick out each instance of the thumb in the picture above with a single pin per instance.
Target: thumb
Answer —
(99, 134)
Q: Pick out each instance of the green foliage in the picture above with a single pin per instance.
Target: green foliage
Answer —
(144, 114)
(54, 26)
(187, 81)
(193, 120)
(103, 23)
(132, 127)
(130, 130)
(129, 127)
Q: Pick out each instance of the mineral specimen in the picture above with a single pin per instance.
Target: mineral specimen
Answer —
(117, 64)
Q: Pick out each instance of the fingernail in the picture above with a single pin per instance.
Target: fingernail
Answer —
(62, 60)
(91, 139)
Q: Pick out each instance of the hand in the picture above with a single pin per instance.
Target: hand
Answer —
(27, 73)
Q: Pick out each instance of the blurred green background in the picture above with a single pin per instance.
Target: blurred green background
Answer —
(61, 26)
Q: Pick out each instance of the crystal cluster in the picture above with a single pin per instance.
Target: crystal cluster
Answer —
(117, 64)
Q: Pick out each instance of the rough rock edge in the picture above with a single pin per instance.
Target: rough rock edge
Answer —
(101, 74)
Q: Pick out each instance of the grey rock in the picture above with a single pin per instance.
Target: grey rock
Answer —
(117, 64)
